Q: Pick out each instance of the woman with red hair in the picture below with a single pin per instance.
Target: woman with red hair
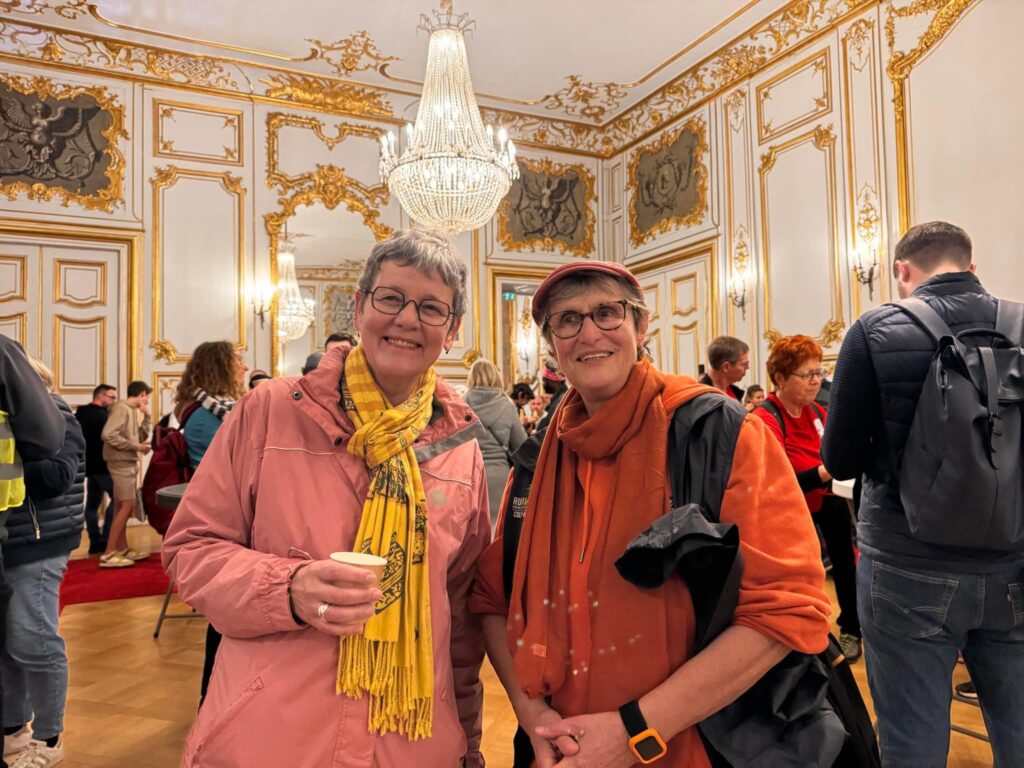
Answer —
(793, 416)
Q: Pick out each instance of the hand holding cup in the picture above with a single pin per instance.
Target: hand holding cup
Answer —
(336, 598)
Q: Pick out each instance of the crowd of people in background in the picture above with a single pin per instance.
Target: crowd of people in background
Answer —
(594, 420)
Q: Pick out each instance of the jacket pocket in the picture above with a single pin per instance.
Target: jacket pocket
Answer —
(207, 729)
(910, 603)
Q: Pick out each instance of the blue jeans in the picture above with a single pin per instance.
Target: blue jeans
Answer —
(34, 665)
(914, 622)
(96, 486)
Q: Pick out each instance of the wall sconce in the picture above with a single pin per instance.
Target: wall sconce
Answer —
(261, 297)
(738, 291)
(865, 267)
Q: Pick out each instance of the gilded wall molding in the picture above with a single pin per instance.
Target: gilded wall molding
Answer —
(326, 184)
(165, 383)
(60, 294)
(552, 244)
(794, 25)
(130, 241)
(276, 121)
(21, 265)
(165, 110)
(819, 62)
(59, 323)
(823, 138)
(703, 249)
(698, 127)
(105, 199)
(165, 178)
(860, 59)
(20, 319)
(901, 64)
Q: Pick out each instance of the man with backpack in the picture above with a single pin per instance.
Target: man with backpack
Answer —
(926, 407)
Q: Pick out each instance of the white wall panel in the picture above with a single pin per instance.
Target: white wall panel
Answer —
(198, 262)
(966, 118)
(800, 237)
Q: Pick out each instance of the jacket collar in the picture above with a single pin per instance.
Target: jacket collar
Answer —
(950, 282)
(317, 395)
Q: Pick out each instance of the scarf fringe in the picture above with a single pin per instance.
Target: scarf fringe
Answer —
(369, 666)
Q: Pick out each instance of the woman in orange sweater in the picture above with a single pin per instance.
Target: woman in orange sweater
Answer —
(576, 642)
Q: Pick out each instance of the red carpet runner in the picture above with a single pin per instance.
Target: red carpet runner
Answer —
(86, 582)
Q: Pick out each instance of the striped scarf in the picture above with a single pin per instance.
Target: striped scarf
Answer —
(392, 661)
(219, 407)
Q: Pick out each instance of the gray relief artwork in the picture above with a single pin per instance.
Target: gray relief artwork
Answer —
(667, 182)
(53, 142)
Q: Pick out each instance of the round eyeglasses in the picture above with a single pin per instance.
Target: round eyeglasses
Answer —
(607, 317)
(392, 301)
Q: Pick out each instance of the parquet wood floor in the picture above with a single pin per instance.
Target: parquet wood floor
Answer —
(132, 699)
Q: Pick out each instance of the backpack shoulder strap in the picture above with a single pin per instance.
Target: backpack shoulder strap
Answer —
(1010, 320)
(818, 409)
(189, 410)
(524, 463)
(926, 317)
(773, 409)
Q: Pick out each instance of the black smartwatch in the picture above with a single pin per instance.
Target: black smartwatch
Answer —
(645, 742)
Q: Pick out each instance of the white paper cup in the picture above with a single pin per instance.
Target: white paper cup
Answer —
(371, 563)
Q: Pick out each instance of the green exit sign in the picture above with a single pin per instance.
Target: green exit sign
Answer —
(509, 295)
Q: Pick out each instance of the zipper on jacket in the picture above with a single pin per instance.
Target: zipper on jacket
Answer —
(35, 520)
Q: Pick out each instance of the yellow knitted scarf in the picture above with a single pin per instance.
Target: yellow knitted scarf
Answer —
(392, 661)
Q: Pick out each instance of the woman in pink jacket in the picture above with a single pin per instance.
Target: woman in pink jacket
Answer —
(321, 665)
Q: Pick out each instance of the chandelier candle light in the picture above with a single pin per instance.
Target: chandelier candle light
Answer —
(294, 313)
(454, 171)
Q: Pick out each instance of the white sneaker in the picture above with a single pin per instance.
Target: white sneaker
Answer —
(17, 742)
(38, 755)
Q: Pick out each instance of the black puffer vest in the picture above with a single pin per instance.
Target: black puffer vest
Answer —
(901, 353)
(49, 523)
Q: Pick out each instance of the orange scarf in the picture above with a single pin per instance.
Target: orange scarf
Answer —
(555, 596)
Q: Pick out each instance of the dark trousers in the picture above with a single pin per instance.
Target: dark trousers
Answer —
(5, 598)
(212, 644)
(834, 521)
(96, 486)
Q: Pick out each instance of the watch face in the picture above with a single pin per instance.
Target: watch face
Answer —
(649, 748)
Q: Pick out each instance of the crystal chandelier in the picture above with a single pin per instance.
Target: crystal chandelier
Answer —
(294, 313)
(454, 171)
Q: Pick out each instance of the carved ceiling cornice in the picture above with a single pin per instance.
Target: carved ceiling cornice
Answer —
(23, 37)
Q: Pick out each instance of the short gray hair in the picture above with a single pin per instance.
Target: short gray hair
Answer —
(579, 282)
(423, 249)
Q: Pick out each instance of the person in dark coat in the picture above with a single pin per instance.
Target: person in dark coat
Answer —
(41, 533)
(30, 429)
(93, 416)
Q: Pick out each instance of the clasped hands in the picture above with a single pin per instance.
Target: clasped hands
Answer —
(334, 598)
(584, 741)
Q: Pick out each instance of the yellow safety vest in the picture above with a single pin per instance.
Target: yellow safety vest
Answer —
(12, 478)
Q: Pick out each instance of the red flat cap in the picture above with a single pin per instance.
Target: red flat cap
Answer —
(606, 267)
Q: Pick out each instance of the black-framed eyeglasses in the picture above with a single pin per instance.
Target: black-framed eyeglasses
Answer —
(392, 301)
(607, 317)
(808, 375)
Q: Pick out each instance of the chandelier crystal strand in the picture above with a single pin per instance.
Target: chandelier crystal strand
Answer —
(294, 313)
(454, 171)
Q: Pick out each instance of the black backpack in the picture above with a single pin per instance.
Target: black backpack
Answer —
(961, 479)
(816, 689)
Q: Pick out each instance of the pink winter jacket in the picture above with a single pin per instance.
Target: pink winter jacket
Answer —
(278, 487)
